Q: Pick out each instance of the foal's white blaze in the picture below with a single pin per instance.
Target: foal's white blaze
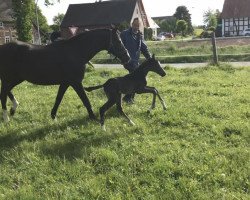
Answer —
(5, 116)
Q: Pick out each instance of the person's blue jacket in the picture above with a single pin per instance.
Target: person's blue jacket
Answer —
(134, 44)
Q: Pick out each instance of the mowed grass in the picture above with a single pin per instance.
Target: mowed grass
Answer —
(197, 149)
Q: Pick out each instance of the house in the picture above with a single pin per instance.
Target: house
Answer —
(101, 14)
(7, 31)
(235, 17)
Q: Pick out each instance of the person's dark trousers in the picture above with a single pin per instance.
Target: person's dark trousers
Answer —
(129, 98)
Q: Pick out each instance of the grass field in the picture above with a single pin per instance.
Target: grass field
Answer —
(197, 149)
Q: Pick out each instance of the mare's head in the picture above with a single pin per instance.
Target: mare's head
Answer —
(116, 46)
(155, 66)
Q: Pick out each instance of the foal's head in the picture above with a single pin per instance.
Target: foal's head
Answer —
(155, 66)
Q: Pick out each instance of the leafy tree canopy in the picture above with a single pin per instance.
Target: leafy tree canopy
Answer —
(50, 2)
(57, 20)
(181, 27)
(182, 13)
(25, 19)
(210, 18)
(22, 14)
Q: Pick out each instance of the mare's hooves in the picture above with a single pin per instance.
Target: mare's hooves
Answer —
(53, 116)
(103, 127)
(12, 111)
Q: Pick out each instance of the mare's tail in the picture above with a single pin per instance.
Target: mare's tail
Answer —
(89, 89)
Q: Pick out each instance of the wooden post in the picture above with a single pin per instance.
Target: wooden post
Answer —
(215, 55)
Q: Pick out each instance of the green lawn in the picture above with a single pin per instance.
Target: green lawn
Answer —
(197, 149)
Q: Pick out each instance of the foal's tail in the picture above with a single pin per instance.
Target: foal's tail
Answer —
(89, 89)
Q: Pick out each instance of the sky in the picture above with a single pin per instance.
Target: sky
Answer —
(154, 8)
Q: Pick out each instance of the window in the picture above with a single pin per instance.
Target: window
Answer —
(1, 24)
(7, 39)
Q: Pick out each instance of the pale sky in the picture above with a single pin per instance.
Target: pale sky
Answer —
(154, 8)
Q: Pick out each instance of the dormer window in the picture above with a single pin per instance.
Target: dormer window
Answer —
(1, 24)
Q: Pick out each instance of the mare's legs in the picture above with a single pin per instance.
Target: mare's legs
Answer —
(155, 93)
(5, 91)
(61, 91)
(81, 93)
(14, 102)
(120, 110)
(103, 109)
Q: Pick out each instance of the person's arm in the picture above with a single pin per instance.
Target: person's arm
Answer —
(144, 50)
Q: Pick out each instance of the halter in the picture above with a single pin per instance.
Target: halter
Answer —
(111, 47)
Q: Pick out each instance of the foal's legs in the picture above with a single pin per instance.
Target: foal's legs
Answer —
(155, 93)
(103, 109)
(81, 93)
(120, 110)
(61, 91)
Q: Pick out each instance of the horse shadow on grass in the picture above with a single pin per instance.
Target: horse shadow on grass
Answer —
(81, 147)
(68, 150)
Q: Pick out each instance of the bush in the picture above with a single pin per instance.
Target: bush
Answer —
(206, 34)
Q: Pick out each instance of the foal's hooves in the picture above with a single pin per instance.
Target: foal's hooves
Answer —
(12, 111)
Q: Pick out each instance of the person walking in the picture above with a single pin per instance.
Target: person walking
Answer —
(134, 43)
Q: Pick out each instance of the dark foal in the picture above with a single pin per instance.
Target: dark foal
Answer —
(134, 82)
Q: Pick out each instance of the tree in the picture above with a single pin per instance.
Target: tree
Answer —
(210, 18)
(22, 14)
(43, 24)
(123, 25)
(168, 25)
(182, 13)
(57, 20)
(181, 27)
(25, 19)
(50, 2)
